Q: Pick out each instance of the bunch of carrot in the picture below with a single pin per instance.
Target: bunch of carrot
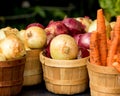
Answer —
(105, 51)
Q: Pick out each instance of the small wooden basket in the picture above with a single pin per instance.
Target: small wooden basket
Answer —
(104, 81)
(11, 76)
(33, 68)
(64, 76)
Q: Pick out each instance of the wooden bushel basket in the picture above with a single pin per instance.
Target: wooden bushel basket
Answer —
(33, 68)
(104, 81)
(64, 76)
(11, 76)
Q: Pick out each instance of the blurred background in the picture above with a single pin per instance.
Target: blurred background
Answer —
(19, 13)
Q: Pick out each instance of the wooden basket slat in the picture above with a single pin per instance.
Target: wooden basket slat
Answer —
(33, 68)
(11, 77)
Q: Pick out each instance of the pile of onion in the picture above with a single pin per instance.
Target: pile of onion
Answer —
(72, 28)
(12, 47)
(55, 28)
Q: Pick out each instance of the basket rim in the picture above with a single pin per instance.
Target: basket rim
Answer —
(42, 52)
(14, 59)
(60, 63)
(21, 61)
(101, 69)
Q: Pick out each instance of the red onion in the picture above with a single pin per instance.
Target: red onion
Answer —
(74, 26)
(56, 28)
(83, 53)
(77, 37)
(83, 40)
(35, 24)
(47, 51)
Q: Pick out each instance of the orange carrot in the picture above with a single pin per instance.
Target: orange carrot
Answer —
(118, 51)
(115, 42)
(118, 54)
(116, 65)
(101, 29)
(111, 34)
(94, 51)
(108, 43)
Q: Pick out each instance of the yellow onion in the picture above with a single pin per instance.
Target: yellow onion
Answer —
(21, 35)
(10, 30)
(86, 21)
(63, 47)
(35, 37)
(12, 47)
(2, 57)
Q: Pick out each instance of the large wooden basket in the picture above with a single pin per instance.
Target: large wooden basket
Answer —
(64, 76)
(104, 81)
(33, 68)
(11, 76)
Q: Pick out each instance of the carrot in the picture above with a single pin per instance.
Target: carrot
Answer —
(118, 51)
(116, 65)
(115, 42)
(94, 51)
(101, 29)
(108, 43)
(111, 34)
(118, 55)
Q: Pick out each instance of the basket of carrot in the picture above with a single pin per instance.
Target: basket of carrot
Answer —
(104, 64)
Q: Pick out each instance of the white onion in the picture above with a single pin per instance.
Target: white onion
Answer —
(63, 47)
(35, 37)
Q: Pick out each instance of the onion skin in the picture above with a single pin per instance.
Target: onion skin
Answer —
(74, 26)
(63, 47)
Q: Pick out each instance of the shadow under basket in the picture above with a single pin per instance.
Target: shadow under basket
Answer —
(33, 68)
(11, 76)
(104, 81)
(64, 76)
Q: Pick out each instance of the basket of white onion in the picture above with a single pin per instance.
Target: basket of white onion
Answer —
(12, 62)
(34, 39)
(63, 63)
